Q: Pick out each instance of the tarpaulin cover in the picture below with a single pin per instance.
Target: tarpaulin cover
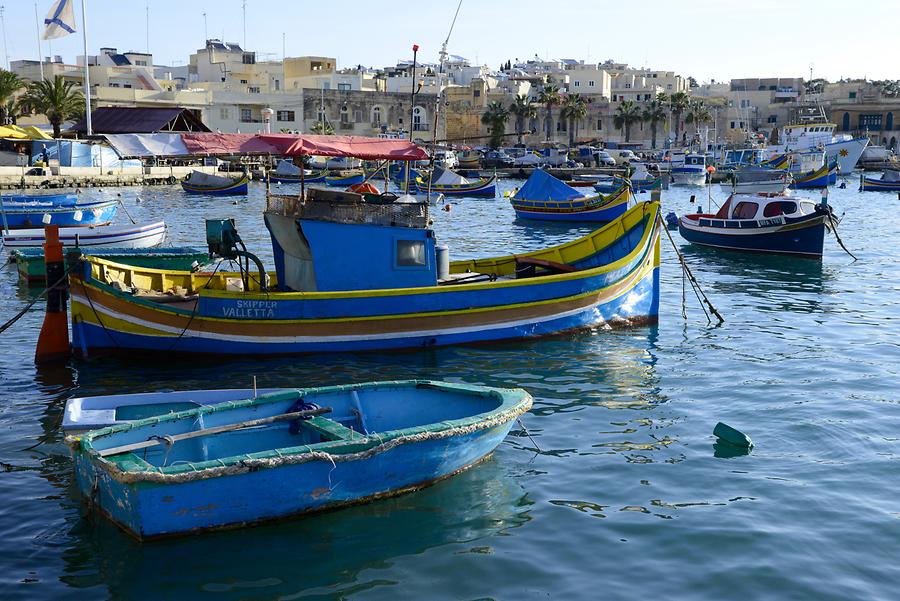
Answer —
(543, 186)
(78, 154)
(446, 177)
(147, 145)
(230, 144)
(347, 146)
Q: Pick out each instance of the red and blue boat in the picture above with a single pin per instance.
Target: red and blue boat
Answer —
(547, 198)
(888, 182)
(215, 185)
(822, 177)
(763, 223)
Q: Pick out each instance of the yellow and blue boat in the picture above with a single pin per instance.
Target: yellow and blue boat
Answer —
(215, 185)
(547, 198)
(449, 183)
(888, 182)
(287, 453)
(822, 177)
(346, 178)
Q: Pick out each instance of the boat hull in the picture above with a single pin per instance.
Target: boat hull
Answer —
(802, 237)
(769, 187)
(238, 187)
(846, 153)
(23, 215)
(874, 184)
(144, 236)
(345, 181)
(595, 208)
(295, 179)
(819, 178)
(688, 178)
(32, 269)
(484, 188)
(617, 285)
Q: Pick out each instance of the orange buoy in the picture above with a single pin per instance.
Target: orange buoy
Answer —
(53, 341)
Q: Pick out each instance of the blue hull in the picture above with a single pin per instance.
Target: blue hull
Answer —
(601, 215)
(240, 189)
(30, 215)
(804, 242)
(346, 181)
(823, 181)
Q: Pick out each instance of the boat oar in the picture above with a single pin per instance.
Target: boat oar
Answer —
(170, 440)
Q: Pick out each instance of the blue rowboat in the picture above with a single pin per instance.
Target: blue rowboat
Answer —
(348, 179)
(888, 182)
(356, 276)
(215, 185)
(448, 183)
(617, 182)
(761, 223)
(288, 453)
(547, 198)
(313, 178)
(30, 261)
(64, 210)
(822, 177)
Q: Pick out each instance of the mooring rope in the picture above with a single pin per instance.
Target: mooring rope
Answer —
(698, 291)
(34, 301)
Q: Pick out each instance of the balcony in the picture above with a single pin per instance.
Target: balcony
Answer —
(345, 126)
(420, 127)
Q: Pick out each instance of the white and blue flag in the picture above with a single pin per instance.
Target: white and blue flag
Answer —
(60, 20)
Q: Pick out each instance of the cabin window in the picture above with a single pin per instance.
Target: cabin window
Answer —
(745, 210)
(411, 253)
(774, 209)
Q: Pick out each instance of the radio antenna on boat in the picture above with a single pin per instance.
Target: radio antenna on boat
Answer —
(442, 58)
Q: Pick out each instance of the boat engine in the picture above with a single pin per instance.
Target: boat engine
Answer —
(223, 241)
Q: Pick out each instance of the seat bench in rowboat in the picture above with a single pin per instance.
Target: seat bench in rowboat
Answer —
(287, 452)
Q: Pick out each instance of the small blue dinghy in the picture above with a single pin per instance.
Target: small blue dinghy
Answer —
(288, 452)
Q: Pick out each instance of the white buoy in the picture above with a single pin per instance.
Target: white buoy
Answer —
(78, 215)
(46, 219)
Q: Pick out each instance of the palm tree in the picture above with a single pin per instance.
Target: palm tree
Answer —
(523, 110)
(58, 100)
(495, 117)
(627, 113)
(9, 85)
(322, 128)
(698, 113)
(678, 102)
(549, 97)
(653, 114)
(574, 109)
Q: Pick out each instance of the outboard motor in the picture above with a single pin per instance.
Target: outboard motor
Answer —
(672, 221)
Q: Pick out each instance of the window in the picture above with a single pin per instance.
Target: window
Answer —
(113, 85)
(732, 125)
(253, 90)
(745, 210)
(126, 85)
(223, 114)
(249, 58)
(243, 81)
(615, 97)
(599, 124)
(852, 95)
(411, 253)
(772, 119)
(669, 87)
(646, 96)
(284, 115)
(773, 209)
(345, 114)
(344, 86)
(277, 85)
(870, 121)
(591, 83)
(477, 93)
(577, 83)
(376, 116)
(627, 86)
(246, 116)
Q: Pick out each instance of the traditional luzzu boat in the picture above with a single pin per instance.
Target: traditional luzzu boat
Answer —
(25, 211)
(822, 177)
(779, 161)
(31, 267)
(641, 180)
(756, 179)
(119, 236)
(545, 197)
(354, 275)
(450, 183)
(765, 223)
(346, 178)
(288, 453)
(215, 185)
(888, 182)
(288, 173)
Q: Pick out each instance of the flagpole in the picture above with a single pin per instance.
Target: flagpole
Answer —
(87, 77)
(37, 26)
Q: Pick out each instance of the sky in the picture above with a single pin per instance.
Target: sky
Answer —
(707, 39)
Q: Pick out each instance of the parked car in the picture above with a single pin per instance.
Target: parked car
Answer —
(529, 160)
(604, 159)
(494, 159)
(622, 155)
(446, 159)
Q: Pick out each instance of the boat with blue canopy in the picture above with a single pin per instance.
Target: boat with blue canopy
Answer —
(65, 210)
(287, 453)
(888, 182)
(356, 272)
(546, 197)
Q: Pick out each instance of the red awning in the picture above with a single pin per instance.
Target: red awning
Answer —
(347, 146)
(227, 144)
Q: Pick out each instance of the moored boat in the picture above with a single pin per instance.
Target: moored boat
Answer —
(754, 179)
(822, 177)
(450, 183)
(346, 178)
(287, 453)
(122, 236)
(547, 198)
(30, 261)
(215, 185)
(22, 211)
(690, 173)
(778, 224)
(288, 173)
(888, 182)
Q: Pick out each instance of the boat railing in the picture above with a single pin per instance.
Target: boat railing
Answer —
(349, 208)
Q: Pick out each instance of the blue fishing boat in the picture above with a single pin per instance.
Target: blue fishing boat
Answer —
(288, 453)
(23, 211)
(822, 177)
(31, 267)
(215, 185)
(547, 198)
(762, 223)
(692, 172)
(347, 178)
(450, 183)
(888, 182)
(640, 181)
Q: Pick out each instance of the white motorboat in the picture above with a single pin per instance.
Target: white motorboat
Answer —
(121, 236)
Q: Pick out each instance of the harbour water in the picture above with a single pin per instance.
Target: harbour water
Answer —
(626, 496)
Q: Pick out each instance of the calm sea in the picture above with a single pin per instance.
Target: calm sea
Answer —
(626, 498)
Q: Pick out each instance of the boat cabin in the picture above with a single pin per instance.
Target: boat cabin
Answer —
(757, 207)
(695, 159)
(336, 240)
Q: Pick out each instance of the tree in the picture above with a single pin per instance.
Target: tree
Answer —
(815, 86)
(523, 110)
(626, 113)
(323, 129)
(57, 99)
(678, 102)
(495, 117)
(549, 97)
(9, 85)
(692, 83)
(698, 113)
(653, 114)
(574, 109)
